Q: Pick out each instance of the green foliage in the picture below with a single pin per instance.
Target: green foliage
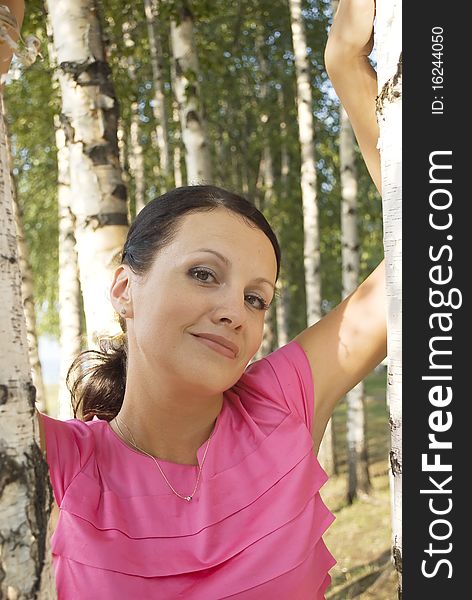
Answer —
(247, 78)
(30, 104)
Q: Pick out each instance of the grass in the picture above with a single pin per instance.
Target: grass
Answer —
(360, 538)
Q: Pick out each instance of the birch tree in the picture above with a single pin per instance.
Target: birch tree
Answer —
(267, 184)
(177, 153)
(151, 10)
(23, 495)
(69, 286)
(282, 306)
(27, 284)
(135, 147)
(187, 92)
(389, 77)
(357, 459)
(70, 333)
(308, 169)
(136, 160)
(311, 226)
(90, 113)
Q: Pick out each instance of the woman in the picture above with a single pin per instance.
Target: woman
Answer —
(193, 474)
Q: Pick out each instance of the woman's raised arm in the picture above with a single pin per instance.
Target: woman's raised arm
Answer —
(350, 42)
(346, 344)
(17, 11)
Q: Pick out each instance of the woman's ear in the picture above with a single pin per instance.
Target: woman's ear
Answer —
(120, 291)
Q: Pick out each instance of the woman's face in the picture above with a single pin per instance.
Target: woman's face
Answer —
(191, 290)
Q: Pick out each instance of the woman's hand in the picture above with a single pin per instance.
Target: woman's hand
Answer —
(352, 33)
(349, 43)
(14, 14)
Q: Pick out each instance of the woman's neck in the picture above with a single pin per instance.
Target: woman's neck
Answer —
(168, 429)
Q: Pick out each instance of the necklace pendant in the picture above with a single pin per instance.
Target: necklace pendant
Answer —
(188, 498)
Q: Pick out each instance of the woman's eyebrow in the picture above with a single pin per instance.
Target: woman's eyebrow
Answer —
(228, 263)
(221, 256)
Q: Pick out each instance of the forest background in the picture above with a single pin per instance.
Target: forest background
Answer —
(248, 97)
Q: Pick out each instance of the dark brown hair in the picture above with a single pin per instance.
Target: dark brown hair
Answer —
(99, 377)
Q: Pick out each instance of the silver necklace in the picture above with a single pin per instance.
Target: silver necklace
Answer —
(188, 498)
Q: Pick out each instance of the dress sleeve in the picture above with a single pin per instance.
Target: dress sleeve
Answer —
(285, 377)
(69, 446)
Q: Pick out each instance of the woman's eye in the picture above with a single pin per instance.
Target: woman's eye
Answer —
(203, 272)
(262, 304)
(203, 275)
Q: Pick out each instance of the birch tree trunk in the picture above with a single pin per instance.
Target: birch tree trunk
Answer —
(270, 323)
(311, 224)
(151, 9)
(136, 159)
(177, 153)
(70, 309)
(69, 287)
(389, 76)
(282, 306)
(284, 155)
(188, 96)
(27, 285)
(268, 189)
(179, 177)
(25, 500)
(357, 458)
(90, 114)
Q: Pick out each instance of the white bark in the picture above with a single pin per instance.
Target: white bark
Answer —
(23, 493)
(283, 301)
(69, 286)
(389, 74)
(282, 308)
(311, 226)
(177, 154)
(121, 136)
(270, 322)
(151, 9)
(90, 112)
(179, 179)
(284, 155)
(187, 92)
(136, 159)
(326, 454)
(358, 468)
(268, 193)
(357, 457)
(308, 169)
(27, 290)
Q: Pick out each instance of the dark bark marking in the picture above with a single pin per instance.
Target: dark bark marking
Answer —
(103, 219)
(388, 92)
(192, 117)
(395, 464)
(10, 259)
(3, 394)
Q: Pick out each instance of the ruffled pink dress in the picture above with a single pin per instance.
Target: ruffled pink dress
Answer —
(252, 531)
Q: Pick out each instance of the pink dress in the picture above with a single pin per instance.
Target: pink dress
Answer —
(251, 532)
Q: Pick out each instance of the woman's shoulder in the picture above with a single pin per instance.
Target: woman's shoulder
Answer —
(75, 428)
(68, 446)
(281, 379)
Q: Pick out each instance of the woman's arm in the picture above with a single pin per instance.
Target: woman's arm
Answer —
(17, 10)
(346, 344)
(350, 42)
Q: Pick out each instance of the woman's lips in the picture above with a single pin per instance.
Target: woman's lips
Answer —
(215, 346)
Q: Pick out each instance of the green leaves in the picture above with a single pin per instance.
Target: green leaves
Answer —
(248, 88)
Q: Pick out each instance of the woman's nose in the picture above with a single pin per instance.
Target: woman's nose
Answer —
(231, 309)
